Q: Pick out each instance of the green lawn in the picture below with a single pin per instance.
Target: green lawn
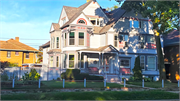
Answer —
(157, 84)
(107, 95)
(59, 84)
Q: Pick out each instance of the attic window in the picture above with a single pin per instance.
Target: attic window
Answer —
(81, 21)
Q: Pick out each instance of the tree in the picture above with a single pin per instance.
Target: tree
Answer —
(40, 58)
(164, 16)
(112, 8)
(137, 73)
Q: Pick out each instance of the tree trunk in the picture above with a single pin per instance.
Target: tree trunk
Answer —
(161, 66)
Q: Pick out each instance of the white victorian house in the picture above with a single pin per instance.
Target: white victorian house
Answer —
(100, 42)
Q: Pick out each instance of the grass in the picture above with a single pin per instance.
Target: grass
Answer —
(156, 84)
(59, 85)
(107, 95)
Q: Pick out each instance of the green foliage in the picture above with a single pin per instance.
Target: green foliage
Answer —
(137, 72)
(4, 77)
(31, 77)
(147, 80)
(74, 74)
(112, 8)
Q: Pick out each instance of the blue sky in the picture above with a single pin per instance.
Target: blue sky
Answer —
(30, 20)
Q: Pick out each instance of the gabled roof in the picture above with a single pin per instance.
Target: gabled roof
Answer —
(45, 45)
(97, 29)
(70, 11)
(77, 13)
(12, 44)
(56, 26)
(100, 49)
(172, 38)
(114, 17)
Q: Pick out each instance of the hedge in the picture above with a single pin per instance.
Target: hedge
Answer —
(74, 74)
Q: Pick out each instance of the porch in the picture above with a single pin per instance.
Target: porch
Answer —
(99, 61)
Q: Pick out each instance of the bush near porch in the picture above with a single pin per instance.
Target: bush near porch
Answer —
(74, 74)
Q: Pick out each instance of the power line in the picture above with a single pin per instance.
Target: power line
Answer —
(25, 39)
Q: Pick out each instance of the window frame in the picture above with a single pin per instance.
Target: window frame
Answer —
(125, 66)
(65, 39)
(116, 41)
(72, 38)
(16, 54)
(57, 61)
(153, 39)
(139, 22)
(51, 61)
(69, 60)
(81, 23)
(79, 39)
(63, 21)
(148, 65)
(27, 54)
(8, 54)
(143, 61)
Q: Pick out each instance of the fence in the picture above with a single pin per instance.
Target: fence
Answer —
(46, 73)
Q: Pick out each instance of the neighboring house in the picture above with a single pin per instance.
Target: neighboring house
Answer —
(16, 52)
(171, 54)
(98, 42)
(45, 47)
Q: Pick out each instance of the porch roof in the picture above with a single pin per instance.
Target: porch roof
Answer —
(54, 50)
(106, 49)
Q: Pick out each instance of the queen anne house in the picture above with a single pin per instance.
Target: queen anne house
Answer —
(100, 42)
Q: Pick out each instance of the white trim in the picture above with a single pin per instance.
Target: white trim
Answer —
(78, 38)
(68, 61)
(144, 61)
(155, 63)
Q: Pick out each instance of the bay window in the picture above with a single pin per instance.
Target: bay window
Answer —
(151, 62)
(57, 42)
(57, 61)
(51, 61)
(71, 38)
(81, 38)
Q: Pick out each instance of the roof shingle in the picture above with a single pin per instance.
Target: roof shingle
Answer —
(12, 44)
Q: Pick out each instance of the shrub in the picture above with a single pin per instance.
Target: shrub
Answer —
(4, 77)
(74, 74)
(147, 79)
(31, 77)
(137, 69)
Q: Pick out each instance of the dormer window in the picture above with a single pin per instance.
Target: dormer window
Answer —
(81, 22)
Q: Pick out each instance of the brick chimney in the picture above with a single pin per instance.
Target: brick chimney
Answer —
(17, 39)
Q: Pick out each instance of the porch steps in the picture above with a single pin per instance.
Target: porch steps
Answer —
(113, 78)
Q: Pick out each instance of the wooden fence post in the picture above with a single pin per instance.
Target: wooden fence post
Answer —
(104, 82)
(63, 83)
(143, 82)
(39, 83)
(124, 82)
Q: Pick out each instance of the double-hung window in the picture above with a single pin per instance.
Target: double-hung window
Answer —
(125, 38)
(151, 39)
(51, 61)
(81, 38)
(57, 61)
(17, 53)
(115, 41)
(142, 41)
(136, 24)
(151, 62)
(71, 61)
(8, 54)
(142, 62)
(124, 63)
(27, 55)
(57, 42)
(71, 38)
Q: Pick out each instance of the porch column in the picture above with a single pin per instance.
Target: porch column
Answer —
(80, 60)
(99, 60)
(102, 60)
(117, 65)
